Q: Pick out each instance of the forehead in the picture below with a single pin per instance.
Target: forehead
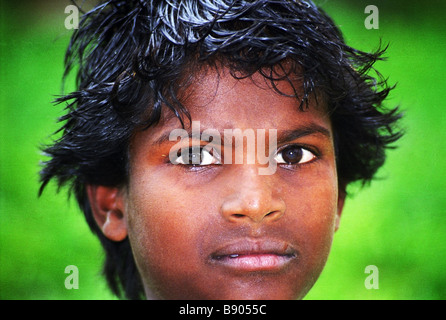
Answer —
(252, 102)
(220, 101)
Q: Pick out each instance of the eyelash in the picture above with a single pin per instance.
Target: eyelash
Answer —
(305, 151)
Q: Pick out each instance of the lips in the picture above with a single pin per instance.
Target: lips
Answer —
(247, 255)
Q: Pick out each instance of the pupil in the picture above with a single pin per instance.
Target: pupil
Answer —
(190, 157)
(292, 155)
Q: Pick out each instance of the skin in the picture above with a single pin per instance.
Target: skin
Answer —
(179, 218)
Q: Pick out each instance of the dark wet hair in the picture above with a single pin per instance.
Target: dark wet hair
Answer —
(133, 56)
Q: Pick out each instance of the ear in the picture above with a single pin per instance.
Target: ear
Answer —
(341, 199)
(108, 210)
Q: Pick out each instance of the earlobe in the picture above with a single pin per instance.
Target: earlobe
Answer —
(108, 211)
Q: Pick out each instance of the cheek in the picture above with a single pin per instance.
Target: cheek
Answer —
(162, 232)
(312, 209)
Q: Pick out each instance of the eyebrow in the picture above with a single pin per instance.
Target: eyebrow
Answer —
(283, 137)
(311, 129)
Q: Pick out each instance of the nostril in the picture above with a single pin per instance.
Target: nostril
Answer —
(240, 210)
(273, 214)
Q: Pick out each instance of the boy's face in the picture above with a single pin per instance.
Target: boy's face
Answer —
(223, 231)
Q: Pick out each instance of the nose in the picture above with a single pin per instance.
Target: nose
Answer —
(253, 198)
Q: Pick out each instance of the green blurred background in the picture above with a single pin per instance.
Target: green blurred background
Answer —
(397, 224)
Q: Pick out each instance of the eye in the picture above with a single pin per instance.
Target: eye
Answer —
(197, 156)
(294, 155)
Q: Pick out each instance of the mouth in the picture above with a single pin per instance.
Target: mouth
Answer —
(248, 255)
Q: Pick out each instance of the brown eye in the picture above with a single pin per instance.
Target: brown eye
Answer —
(294, 155)
(191, 156)
(197, 157)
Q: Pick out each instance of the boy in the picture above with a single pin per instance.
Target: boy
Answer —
(182, 218)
